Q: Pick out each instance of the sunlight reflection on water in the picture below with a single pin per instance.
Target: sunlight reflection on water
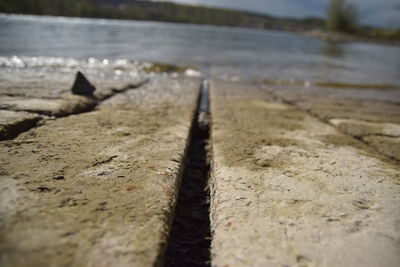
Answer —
(233, 53)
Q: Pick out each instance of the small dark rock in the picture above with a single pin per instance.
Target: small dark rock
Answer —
(82, 86)
(68, 234)
(59, 177)
(43, 189)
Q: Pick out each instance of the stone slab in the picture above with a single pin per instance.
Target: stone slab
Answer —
(35, 84)
(336, 106)
(97, 189)
(360, 118)
(54, 85)
(69, 104)
(13, 123)
(50, 93)
(358, 128)
(290, 190)
(384, 137)
(106, 88)
(387, 145)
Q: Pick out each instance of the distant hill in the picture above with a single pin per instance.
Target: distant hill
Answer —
(156, 11)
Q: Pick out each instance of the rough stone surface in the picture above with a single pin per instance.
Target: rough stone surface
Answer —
(384, 137)
(50, 93)
(53, 85)
(377, 122)
(363, 128)
(35, 84)
(13, 123)
(290, 190)
(69, 104)
(97, 189)
(389, 146)
(335, 106)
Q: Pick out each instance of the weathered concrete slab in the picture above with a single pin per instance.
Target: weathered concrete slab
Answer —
(375, 122)
(327, 107)
(106, 88)
(54, 85)
(13, 123)
(96, 189)
(362, 128)
(150, 96)
(389, 146)
(384, 137)
(290, 190)
(69, 104)
(35, 84)
(51, 94)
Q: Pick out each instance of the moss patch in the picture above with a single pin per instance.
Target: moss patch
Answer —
(161, 67)
(356, 86)
(339, 85)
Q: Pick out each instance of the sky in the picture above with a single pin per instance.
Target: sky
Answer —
(384, 13)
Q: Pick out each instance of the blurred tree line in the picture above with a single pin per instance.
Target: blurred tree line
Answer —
(156, 11)
(343, 16)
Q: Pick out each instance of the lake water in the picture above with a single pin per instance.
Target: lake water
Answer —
(30, 42)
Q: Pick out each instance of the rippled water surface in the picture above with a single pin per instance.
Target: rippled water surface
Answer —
(38, 42)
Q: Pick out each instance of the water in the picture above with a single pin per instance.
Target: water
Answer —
(31, 42)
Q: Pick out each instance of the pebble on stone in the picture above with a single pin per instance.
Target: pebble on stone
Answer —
(82, 86)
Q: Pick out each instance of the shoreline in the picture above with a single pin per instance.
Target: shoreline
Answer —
(343, 37)
(315, 33)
